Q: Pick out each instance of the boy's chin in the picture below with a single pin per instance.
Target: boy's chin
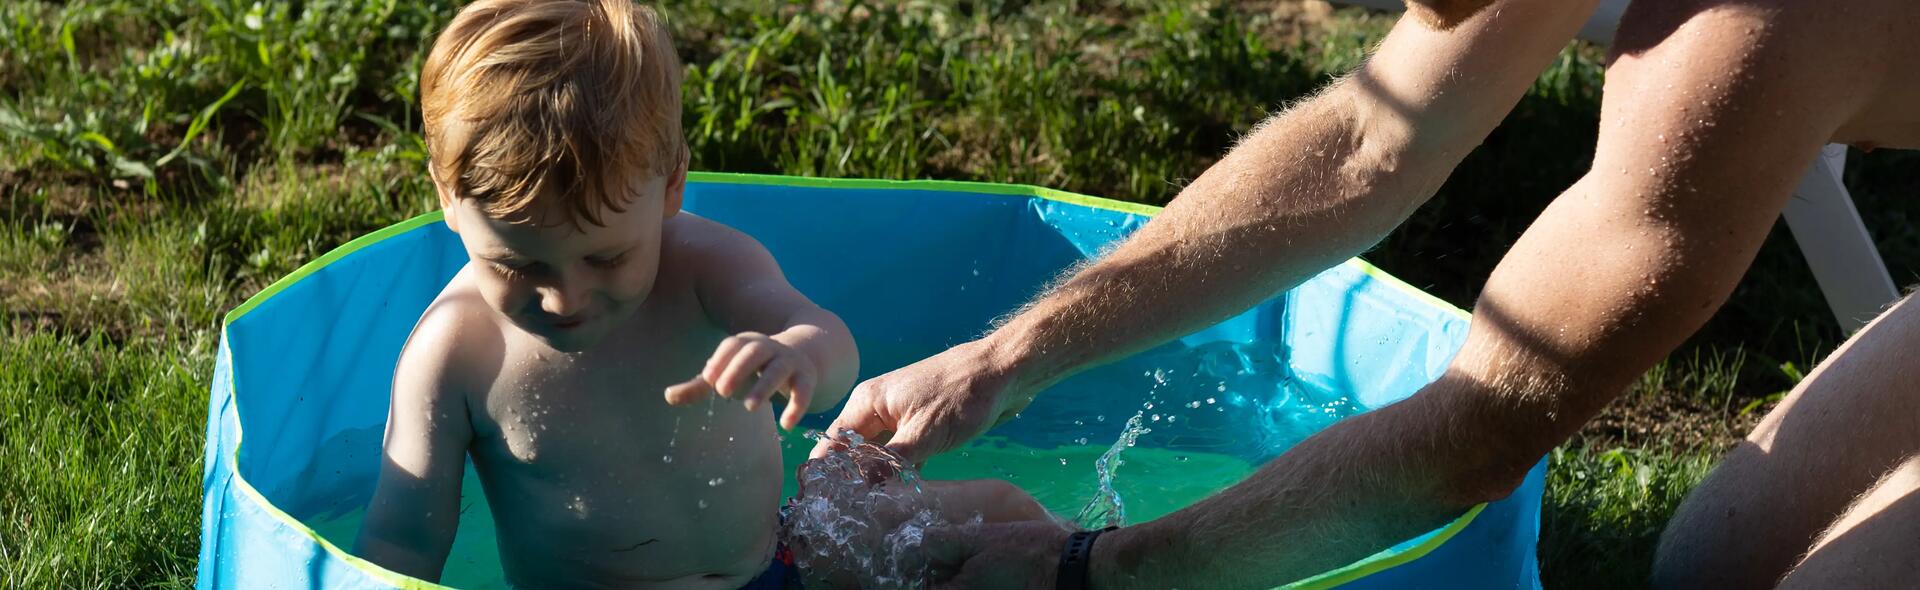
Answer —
(580, 339)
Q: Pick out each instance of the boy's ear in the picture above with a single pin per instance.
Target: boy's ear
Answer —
(676, 188)
(446, 200)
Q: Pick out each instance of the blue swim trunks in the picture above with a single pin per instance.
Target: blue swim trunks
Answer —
(780, 575)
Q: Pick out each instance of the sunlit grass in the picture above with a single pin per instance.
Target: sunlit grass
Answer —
(101, 483)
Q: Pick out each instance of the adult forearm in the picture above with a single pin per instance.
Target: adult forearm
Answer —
(1362, 485)
(1293, 199)
(1305, 190)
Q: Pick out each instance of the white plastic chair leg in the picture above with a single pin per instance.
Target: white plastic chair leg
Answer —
(1836, 244)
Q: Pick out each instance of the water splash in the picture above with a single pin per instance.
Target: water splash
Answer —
(1107, 508)
(672, 440)
(860, 518)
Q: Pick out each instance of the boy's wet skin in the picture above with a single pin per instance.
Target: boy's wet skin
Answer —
(608, 363)
(593, 477)
(625, 502)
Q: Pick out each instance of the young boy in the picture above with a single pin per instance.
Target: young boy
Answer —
(558, 358)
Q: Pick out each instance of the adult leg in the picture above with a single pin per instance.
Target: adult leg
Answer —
(1876, 544)
(1850, 422)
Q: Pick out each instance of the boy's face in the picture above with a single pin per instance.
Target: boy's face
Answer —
(568, 284)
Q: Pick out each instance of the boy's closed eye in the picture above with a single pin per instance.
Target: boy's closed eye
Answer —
(521, 268)
(514, 268)
(608, 260)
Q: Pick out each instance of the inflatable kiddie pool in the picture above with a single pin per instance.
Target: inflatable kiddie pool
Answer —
(300, 389)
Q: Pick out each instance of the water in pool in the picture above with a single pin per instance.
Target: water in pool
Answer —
(1129, 442)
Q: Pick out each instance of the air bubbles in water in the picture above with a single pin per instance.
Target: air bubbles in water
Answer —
(860, 518)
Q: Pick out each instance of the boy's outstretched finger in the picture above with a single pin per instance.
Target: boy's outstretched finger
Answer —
(693, 390)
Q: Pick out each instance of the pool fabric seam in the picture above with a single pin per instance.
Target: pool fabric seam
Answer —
(1375, 563)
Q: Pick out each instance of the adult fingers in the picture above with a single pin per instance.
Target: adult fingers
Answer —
(951, 546)
(860, 417)
(917, 439)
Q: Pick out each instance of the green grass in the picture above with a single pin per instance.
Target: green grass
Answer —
(99, 488)
(160, 160)
(1604, 511)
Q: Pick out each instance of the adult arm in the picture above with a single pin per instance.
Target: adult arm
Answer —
(1706, 127)
(1304, 191)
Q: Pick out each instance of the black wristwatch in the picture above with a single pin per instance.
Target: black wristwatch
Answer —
(1074, 559)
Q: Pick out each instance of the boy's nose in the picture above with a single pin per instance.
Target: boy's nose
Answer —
(562, 301)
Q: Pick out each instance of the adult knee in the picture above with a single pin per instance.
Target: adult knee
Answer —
(1718, 537)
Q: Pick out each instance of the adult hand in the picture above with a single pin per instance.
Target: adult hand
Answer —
(1023, 554)
(932, 406)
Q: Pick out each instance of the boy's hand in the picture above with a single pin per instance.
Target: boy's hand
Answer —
(751, 367)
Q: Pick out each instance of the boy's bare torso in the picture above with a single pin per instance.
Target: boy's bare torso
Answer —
(592, 477)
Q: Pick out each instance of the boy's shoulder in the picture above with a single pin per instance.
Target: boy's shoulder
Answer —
(704, 243)
(456, 332)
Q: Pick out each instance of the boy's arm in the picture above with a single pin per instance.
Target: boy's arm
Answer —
(416, 506)
(781, 343)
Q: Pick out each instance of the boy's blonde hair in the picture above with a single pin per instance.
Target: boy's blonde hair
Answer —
(531, 104)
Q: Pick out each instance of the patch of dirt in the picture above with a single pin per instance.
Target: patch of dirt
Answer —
(1292, 21)
(1641, 419)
